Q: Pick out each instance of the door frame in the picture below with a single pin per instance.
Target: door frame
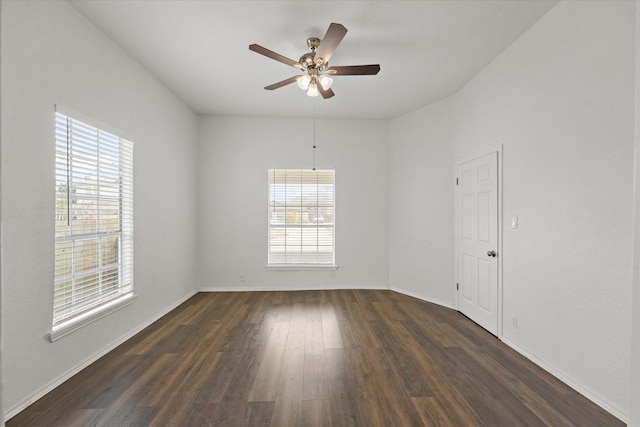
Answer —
(500, 151)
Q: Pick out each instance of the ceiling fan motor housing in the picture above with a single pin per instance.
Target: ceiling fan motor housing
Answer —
(308, 60)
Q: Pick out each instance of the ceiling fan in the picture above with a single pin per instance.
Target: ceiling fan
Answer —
(316, 72)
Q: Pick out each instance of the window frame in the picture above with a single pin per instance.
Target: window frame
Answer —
(315, 264)
(105, 214)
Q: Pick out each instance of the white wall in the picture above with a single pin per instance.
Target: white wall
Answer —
(421, 204)
(235, 154)
(634, 395)
(561, 100)
(1, 340)
(50, 55)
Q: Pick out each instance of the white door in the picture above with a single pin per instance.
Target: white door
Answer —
(477, 249)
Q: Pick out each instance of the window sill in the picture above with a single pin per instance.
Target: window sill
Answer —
(300, 267)
(72, 325)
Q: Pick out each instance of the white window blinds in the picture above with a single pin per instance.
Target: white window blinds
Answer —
(301, 217)
(94, 218)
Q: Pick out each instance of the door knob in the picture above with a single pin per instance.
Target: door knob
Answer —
(491, 253)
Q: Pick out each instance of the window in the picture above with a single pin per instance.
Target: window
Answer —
(93, 219)
(301, 217)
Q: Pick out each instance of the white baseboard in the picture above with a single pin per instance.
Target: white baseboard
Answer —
(278, 288)
(580, 388)
(65, 376)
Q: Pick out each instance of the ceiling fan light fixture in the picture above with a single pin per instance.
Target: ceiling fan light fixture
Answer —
(325, 81)
(303, 81)
(313, 89)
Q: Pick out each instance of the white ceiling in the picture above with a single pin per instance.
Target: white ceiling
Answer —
(427, 50)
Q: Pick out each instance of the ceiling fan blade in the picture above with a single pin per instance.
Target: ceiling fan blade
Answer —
(282, 83)
(354, 70)
(271, 54)
(326, 94)
(331, 40)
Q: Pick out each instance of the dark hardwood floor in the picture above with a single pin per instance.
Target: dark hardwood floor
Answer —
(321, 358)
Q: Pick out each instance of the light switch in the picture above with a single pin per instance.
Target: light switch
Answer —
(514, 222)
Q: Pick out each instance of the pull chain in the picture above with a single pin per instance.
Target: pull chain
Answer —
(314, 134)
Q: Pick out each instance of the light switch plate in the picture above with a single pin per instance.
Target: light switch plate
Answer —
(514, 222)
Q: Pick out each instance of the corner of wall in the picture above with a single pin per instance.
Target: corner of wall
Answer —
(634, 378)
(1, 283)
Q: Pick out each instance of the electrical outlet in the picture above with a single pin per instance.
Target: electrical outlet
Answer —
(514, 322)
(242, 278)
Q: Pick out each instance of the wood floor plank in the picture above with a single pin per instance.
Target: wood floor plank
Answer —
(354, 331)
(227, 404)
(124, 408)
(388, 310)
(431, 412)
(238, 339)
(312, 358)
(194, 369)
(258, 305)
(459, 410)
(441, 335)
(153, 340)
(191, 381)
(342, 398)
(364, 385)
(394, 406)
(131, 415)
(330, 328)
(313, 311)
(121, 386)
(157, 380)
(192, 311)
(361, 304)
(240, 372)
(298, 328)
(408, 366)
(314, 385)
(265, 385)
(287, 410)
(259, 414)
(316, 413)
